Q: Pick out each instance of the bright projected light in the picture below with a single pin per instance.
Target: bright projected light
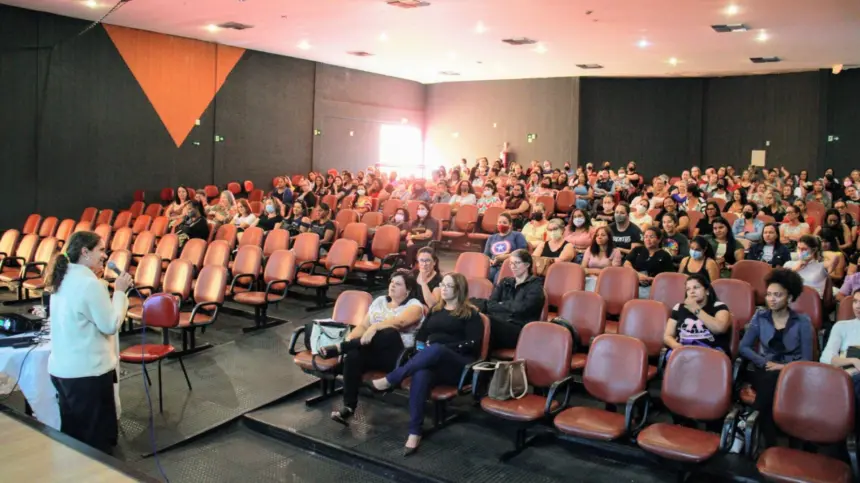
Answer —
(400, 150)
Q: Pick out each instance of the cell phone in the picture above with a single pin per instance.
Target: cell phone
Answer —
(419, 345)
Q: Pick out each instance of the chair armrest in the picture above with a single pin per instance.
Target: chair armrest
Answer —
(405, 355)
(752, 436)
(727, 435)
(464, 376)
(33, 265)
(273, 282)
(295, 338)
(471, 226)
(851, 446)
(330, 274)
(661, 360)
(204, 306)
(565, 383)
(392, 259)
(140, 290)
(477, 377)
(312, 263)
(638, 401)
(236, 278)
(21, 260)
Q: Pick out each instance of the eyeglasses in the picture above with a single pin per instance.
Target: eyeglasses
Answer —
(516, 263)
(426, 260)
(447, 285)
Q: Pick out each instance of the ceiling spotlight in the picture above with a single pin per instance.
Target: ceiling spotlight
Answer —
(732, 10)
(304, 45)
(643, 43)
(91, 4)
(480, 28)
(540, 49)
(383, 37)
(673, 61)
(212, 28)
(762, 36)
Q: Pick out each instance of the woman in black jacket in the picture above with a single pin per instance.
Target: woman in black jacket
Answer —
(770, 250)
(515, 302)
(194, 225)
(449, 339)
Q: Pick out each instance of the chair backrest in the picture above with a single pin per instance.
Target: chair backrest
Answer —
(669, 288)
(739, 296)
(9, 241)
(331, 201)
(766, 218)
(386, 241)
(814, 402)
(389, 207)
(159, 226)
(845, 312)
(343, 252)
(64, 231)
(177, 278)
(617, 285)
(122, 260)
(83, 226)
(306, 247)
(281, 266)
(227, 232)
(480, 287)
(148, 273)
(194, 251)
(351, 307)
(547, 350)
(347, 202)
(485, 341)
(561, 278)
(490, 221)
(277, 239)
(104, 231)
(248, 260)
(160, 310)
(754, 273)
(252, 236)
(105, 216)
(255, 196)
(646, 321)
(27, 247)
(372, 219)
(345, 217)
(441, 212)
(586, 311)
(121, 239)
(211, 191)
(210, 284)
(616, 368)
(248, 186)
(49, 227)
(471, 264)
(357, 232)
(412, 208)
(136, 208)
(166, 195)
(466, 217)
(141, 224)
(564, 201)
(123, 219)
(153, 210)
(719, 201)
(234, 188)
(730, 217)
(697, 383)
(168, 246)
(46, 250)
(548, 203)
(694, 217)
(809, 303)
(89, 214)
(32, 224)
(143, 244)
(218, 253)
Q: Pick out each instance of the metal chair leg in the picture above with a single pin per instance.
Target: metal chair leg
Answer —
(146, 375)
(182, 365)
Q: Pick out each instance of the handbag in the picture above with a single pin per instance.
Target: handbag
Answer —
(509, 379)
(542, 264)
(327, 332)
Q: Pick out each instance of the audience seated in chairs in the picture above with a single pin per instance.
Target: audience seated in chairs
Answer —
(448, 340)
(465, 195)
(502, 244)
(833, 221)
(223, 211)
(809, 264)
(376, 343)
(748, 229)
(776, 336)
(700, 320)
(770, 250)
(792, 228)
(428, 277)
(843, 346)
(306, 194)
(244, 218)
(832, 256)
(727, 251)
(518, 207)
(579, 232)
(649, 260)
(703, 227)
(194, 225)
(555, 247)
(363, 202)
(297, 220)
(271, 216)
(601, 254)
(625, 233)
(639, 217)
(323, 226)
(674, 242)
(515, 302)
(176, 210)
(283, 191)
(535, 231)
(701, 260)
(422, 232)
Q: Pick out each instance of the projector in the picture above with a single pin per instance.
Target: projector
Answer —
(12, 324)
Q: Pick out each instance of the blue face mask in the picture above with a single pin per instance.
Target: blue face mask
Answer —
(697, 254)
(803, 255)
(270, 208)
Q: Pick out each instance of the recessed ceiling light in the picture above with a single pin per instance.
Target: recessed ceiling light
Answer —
(732, 10)
(643, 43)
(212, 27)
(540, 49)
(91, 4)
(383, 37)
(673, 61)
(762, 36)
(304, 45)
(480, 28)
(452, 55)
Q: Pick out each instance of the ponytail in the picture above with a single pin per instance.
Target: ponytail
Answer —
(71, 254)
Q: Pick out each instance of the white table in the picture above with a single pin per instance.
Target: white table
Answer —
(33, 380)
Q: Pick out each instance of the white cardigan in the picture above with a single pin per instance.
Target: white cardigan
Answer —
(83, 320)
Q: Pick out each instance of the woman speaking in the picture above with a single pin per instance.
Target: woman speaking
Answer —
(84, 319)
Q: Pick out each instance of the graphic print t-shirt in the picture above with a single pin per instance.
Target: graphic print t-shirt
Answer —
(690, 330)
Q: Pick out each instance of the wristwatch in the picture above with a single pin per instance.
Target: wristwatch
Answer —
(697, 312)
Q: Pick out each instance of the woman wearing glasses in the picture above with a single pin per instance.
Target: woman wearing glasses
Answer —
(428, 277)
(450, 338)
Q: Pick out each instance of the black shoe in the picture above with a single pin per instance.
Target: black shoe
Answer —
(407, 451)
(343, 415)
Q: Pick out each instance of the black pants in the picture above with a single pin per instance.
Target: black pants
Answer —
(764, 383)
(88, 409)
(380, 355)
(504, 334)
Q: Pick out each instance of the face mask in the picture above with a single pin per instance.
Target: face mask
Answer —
(621, 175)
(803, 255)
(641, 209)
(848, 183)
(748, 215)
(537, 216)
(608, 208)
(503, 229)
(270, 208)
(649, 195)
(488, 193)
(620, 218)
(556, 234)
(360, 192)
(578, 222)
(422, 213)
(697, 254)
(398, 218)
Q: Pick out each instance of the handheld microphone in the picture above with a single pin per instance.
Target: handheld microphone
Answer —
(111, 265)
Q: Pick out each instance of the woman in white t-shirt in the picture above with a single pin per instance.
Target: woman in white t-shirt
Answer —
(375, 344)
(809, 264)
(639, 213)
(465, 195)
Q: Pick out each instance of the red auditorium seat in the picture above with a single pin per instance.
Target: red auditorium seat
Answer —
(208, 299)
(669, 288)
(646, 321)
(586, 312)
(338, 264)
(105, 216)
(384, 253)
(64, 231)
(617, 286)
(177, 282)
(480, 287)
(166, 195)
(277, 278)
(245, 270)
(561, 278)
(277, 239)
(754, 273)
(464, 222)
(471, 264)
(489, 223)
(89, 215)
(32, 224)
(31, 265)
(49, 227)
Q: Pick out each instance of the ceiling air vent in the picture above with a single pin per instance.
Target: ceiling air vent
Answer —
(735, 27)
(235, 26)
(520, 41)
(764, 60)
(407, 3)
(360, 53)
(589, 66)
(448, 72)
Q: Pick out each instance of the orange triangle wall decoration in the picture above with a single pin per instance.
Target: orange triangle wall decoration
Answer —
(179, 76)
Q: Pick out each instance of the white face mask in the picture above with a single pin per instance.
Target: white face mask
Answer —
(641, 209)
(556, 234)
(422, 213)
(488, 193)
(398, 218)
(360, 192)
(578, 221)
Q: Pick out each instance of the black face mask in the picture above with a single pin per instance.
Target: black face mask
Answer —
(649, 194)
(537, 216)
(748, 215)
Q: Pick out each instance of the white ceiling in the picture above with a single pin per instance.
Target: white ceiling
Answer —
(421, 42)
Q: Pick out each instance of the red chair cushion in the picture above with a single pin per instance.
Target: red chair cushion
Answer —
(591, 423)
(35, 284)
(791, 465)
(199, 319)
(577, 362)
(611, 327)
(528, 408)
(478, 236)
(10, 274)
(306, 280)
(679, 443)
(438, 393)
(453, 234)
(367, 266)
(255, 298)
(145, 353)
(304, 360)
(504, 354)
